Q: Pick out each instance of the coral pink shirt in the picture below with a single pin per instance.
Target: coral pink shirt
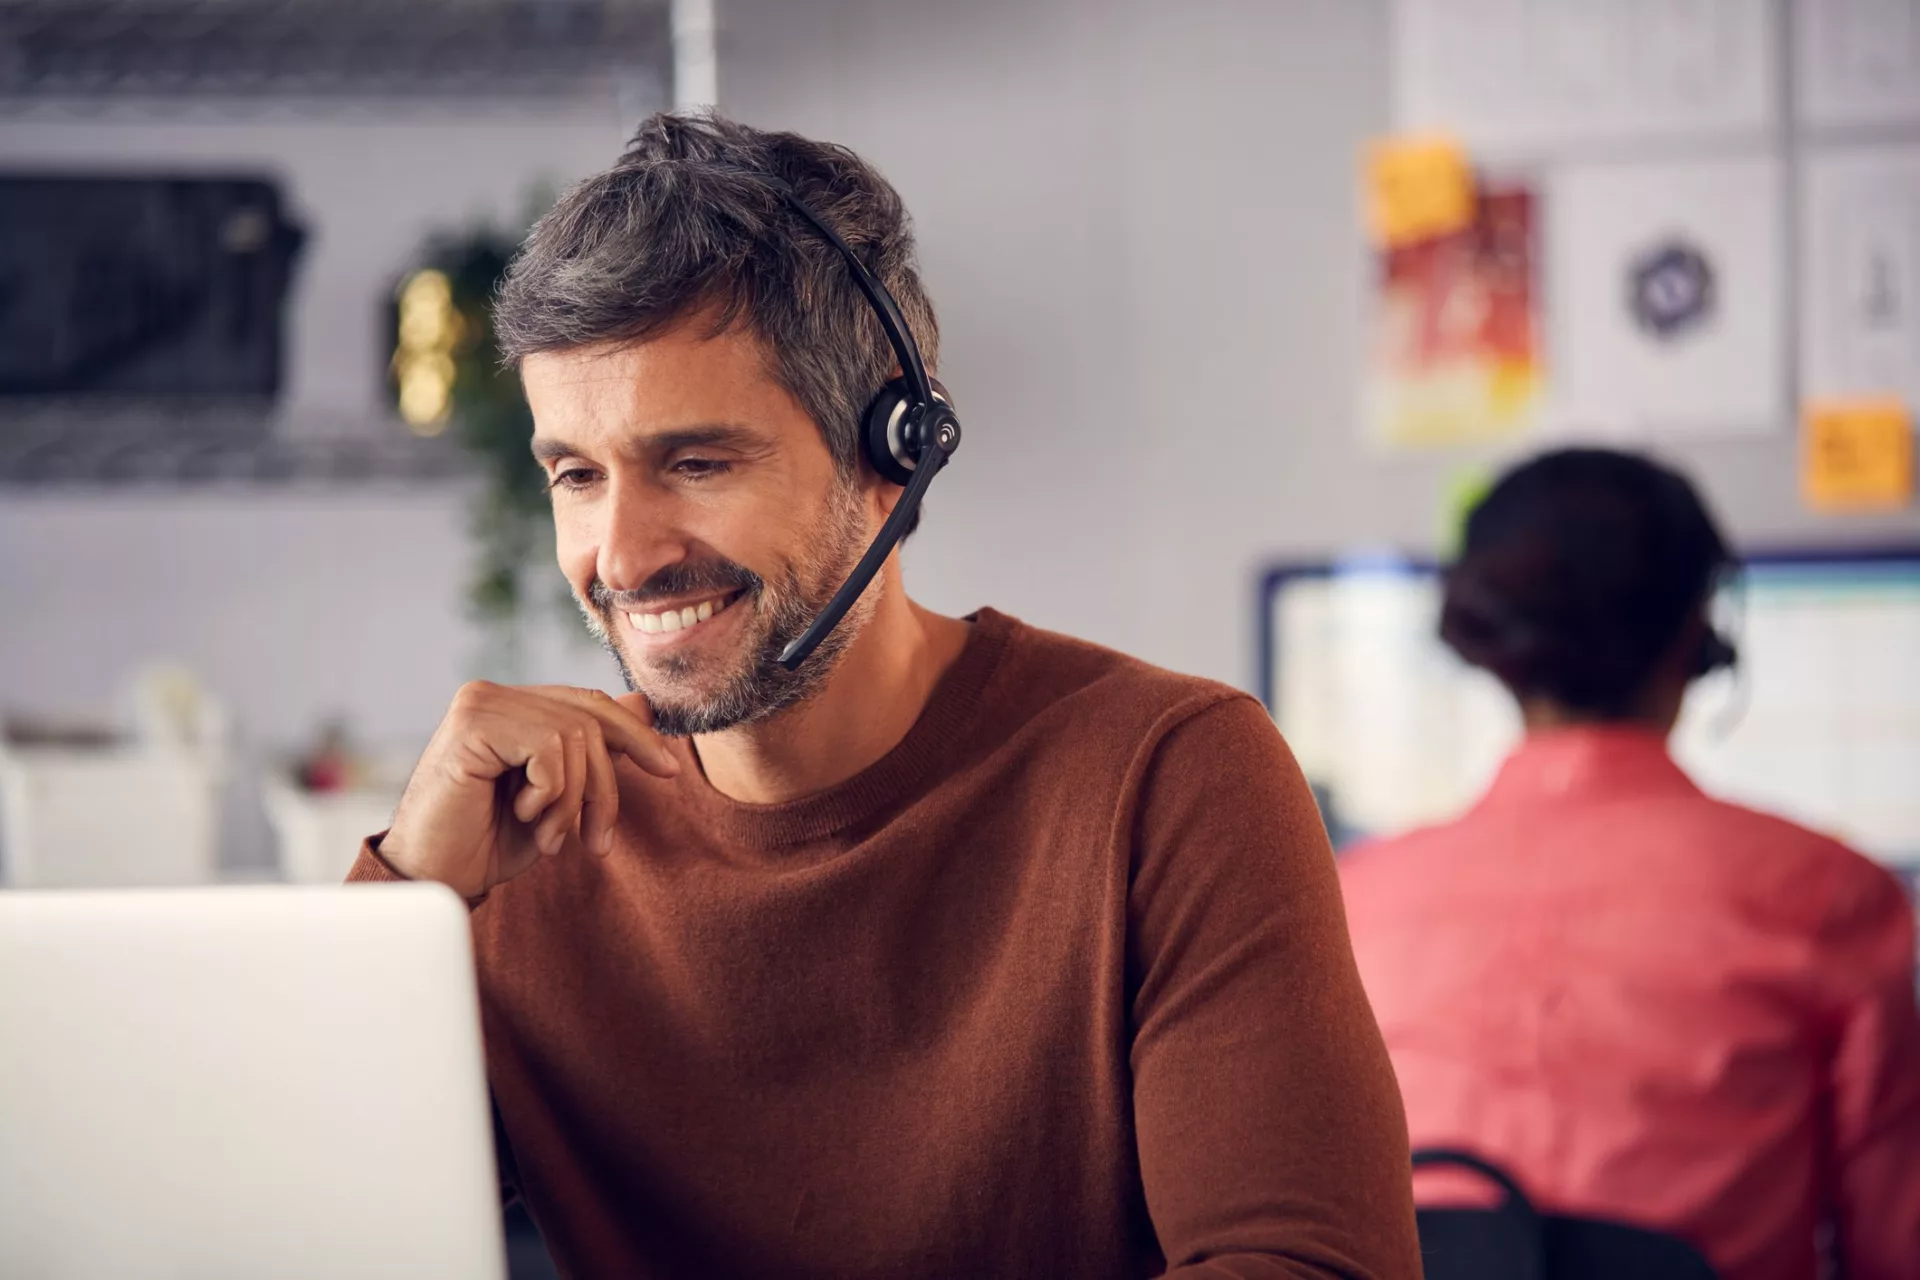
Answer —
(1654, 1007)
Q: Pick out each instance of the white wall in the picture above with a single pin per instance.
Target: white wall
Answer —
(292, 604)
(1138, 218)
(1139, 222)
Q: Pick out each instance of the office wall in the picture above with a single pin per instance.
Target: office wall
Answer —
(292, 604)
(1139, 220)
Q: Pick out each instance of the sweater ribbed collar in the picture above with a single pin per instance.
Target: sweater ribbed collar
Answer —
(949, 713)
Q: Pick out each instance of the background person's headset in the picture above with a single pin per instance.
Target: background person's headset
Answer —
(1717, 653)
(1685, 516)
(908, 433)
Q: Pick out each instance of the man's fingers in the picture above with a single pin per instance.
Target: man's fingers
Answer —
(602, 805)
(546, 768)
(562, 817)
(628, 733)
(510, 770)
(563, 739)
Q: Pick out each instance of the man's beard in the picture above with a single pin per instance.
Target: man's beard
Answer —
(695, 693)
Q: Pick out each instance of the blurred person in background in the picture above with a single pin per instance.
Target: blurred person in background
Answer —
(1645, 1004)
(965, 949)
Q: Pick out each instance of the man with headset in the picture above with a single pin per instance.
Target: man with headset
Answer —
(857, 940)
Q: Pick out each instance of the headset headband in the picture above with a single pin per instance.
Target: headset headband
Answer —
(899, 336)
(929, 429)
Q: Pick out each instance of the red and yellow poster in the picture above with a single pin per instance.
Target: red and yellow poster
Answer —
(1456, 351)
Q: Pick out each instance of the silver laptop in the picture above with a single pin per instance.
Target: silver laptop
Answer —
(243, 1082)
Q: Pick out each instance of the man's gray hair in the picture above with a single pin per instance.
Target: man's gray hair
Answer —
(685, 222)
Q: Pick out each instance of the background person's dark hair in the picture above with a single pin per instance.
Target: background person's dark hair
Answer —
(1579, 572)
(683, 223)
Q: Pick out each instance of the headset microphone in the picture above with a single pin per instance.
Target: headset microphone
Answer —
(909, 432)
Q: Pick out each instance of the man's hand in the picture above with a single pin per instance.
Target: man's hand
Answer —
(513, 773)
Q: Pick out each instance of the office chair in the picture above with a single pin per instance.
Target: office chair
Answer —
(1515, 1241)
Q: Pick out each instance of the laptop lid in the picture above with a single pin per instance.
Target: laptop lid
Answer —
(243, 1082)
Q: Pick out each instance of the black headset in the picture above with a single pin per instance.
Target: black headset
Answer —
(1717, 653)
(907, 435)
(1684, 516)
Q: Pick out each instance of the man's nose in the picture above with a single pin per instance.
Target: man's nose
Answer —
(640, 535)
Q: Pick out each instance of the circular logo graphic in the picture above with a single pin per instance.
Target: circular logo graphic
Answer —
(1670, 289)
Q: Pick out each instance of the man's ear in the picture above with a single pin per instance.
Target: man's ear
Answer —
(886, 494)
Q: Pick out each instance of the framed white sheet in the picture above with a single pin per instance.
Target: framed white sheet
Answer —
(1622, 370)
(1860, 272)
(1856, 62)
(1536, 75)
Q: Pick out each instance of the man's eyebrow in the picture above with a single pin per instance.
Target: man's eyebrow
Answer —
(547, 449)
(706, 435)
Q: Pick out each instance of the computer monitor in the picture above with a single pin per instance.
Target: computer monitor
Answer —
(1822, 723)
(257, 1081)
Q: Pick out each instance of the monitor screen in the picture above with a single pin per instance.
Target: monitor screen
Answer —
(1820, 724)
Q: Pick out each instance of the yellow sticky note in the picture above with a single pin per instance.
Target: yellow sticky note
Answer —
(1857, 454)
(1418, 188)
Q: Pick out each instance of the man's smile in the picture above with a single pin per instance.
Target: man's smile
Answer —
(674, 622)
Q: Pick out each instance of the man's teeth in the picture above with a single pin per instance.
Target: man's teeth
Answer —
(677, 619)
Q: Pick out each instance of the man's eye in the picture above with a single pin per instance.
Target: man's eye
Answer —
(572, 478)
(699, 468)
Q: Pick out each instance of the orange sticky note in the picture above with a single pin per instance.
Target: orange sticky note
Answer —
(1857, 455)
(1418, 188)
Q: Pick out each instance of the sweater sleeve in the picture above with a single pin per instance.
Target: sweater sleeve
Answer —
(1869, 938)
(1270, 1130)
(371, 868)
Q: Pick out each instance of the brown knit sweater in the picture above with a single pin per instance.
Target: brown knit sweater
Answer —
(1059, 987)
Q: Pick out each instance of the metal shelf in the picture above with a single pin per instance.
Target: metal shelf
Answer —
(109, 445)
(94, 49)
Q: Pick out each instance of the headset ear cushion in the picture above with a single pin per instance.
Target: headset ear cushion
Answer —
(879, 430)
(879, 433)
(1716, 653)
